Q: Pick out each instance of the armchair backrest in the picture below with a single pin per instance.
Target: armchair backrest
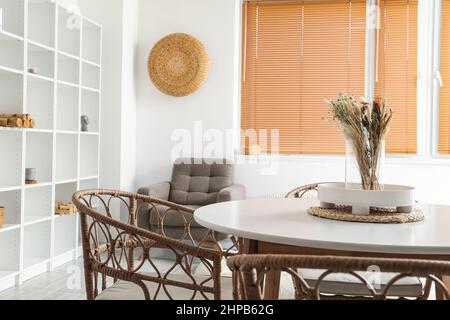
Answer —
(198, 181)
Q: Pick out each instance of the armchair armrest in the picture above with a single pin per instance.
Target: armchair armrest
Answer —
(232, 193)
(158, 191)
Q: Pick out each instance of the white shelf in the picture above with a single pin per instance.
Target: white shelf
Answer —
(39, 155)
(41, 22)
(68, 69)
(91, 63)
(7, 70)
(65, 234)
(37, 243)
(11, 52)
(90, 89)
(11, 92)
(13, 16)
(69, 38)
(10, 251)
(40, 102)
(41, 58)
(4, 188)
(65, 86)
(91, 76)
(11, 141)
(38, 185)
(40, 45)
(69, 84)
(6, 36)
(68, 55)
(39, 78)
(67, 109)
(90, 106)
(89, 156)
(91, 41)
(38, 205)
(66, 157)
(8, 227)
(68, 181)
(31, 220)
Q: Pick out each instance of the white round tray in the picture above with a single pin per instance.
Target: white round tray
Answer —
(400, 197)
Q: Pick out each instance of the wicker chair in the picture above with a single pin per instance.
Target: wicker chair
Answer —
(338, 284)
(250, 271)
(300, 192)
(118, 260)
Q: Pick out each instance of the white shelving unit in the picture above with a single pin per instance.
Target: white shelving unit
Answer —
(65, 50)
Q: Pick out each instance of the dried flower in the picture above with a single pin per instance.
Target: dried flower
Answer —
(365, 126)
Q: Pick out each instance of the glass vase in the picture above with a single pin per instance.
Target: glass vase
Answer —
(364, 165)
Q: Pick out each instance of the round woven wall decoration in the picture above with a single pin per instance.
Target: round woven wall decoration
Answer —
(178, 64)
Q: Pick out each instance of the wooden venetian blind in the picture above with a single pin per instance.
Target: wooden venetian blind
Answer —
(396, 74)
(444, 107)
(295, 55)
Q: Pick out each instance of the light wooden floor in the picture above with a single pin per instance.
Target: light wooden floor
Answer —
(48, 286)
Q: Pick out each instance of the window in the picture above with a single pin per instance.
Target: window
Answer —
(298, 53)
(444, 101)
(396, 71)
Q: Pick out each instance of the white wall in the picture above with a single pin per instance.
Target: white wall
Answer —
(158, 115)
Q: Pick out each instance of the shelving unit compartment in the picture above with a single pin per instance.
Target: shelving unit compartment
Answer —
(9, 252)
(68, 69)
(65, 191)
(89, 156)
(91, 42)
(11, 53)
(68, 118)
(42, 60)
(89, 184)
(66, 157)
(11, 201)
(40, 103)
(11, 93)
(90, 106)
(69, 32)
(41, 22)
(11, 158)
(36, 243)
(91, 76)
(13, 20)
(38, 203)
(65, 234)
(39, 155)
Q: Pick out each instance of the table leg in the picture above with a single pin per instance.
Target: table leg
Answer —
(272, 285)
(439, 293)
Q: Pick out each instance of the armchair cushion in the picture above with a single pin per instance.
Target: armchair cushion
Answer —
(198, 182)
(159, 191)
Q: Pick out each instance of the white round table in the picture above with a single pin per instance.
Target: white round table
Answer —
(271, 226)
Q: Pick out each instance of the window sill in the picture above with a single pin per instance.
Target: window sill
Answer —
(411, 160)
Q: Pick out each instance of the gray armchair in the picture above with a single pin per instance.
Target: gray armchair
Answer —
(195, 183)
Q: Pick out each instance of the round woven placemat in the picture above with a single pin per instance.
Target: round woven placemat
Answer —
(377, 215)
(178, 64)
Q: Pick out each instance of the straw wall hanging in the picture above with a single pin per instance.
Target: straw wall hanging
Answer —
(178, 64)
